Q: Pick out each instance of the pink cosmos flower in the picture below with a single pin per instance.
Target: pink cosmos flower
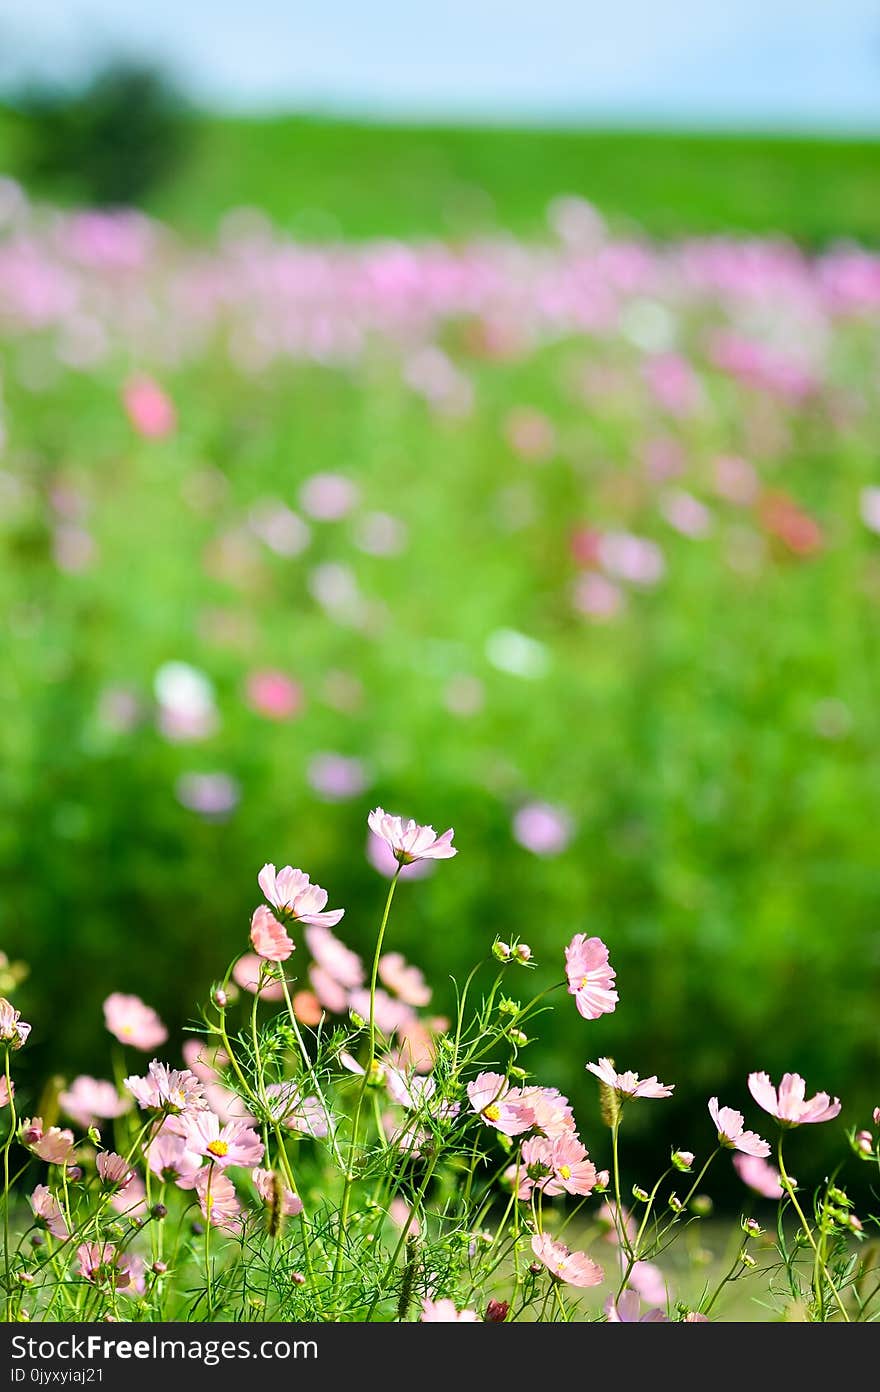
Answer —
(7, 1090)
(113, 1170)
(729, 1124)
(575, 1268)
(218, 1200)
(172, 1091)
(629, 1084)
(296, 1111)
(53, 1146)
(876, 1116)
(90, 1100)
(596, 596)
(246, 974)
(758, 1175)
(405, 981)
(130, 1202)
(788, 1105)
(647, 1279)
(102, 1265)
(171, 1159)
(336, 778)
(444, 1312)
(408, 840)
(383, 859)
(149, 409)
(626, 1310)
(553, 1116)
(330, 995)
(402, 1216)
(132, 1022)
(13, 1029)
(590, 977)
(334, 957)
(269, 937)
(499, 1105)
(294, 896)
(390, 1014)
(236, 1143)
(561, 1166)
(47, 1211)
(274, 695)
(265, 1182)
(328, 497)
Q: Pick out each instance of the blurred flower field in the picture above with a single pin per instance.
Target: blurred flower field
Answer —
(574, 543)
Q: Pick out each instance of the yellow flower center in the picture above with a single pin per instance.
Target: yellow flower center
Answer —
(218, 1148)
(565, 1171)
(584, 982)
(492, 1112)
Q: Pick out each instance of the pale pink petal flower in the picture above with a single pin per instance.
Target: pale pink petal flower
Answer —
(559, 1166)
(553, 1116)
(172, 1091)
(171, 1159)
(336, 778)
(328, 497)
(91, 1100)
(7, 1090)
(498, 1105)
(236, 1143)
(218, 1200)
(132, 1022)
(403, 1217)
(730, 1127)
(869, 507)
(113, 1170)
(390, 1014)
(13, 1029)
(330, 995)
(100, 1264)
(266, 1181)
(274, 695)
(298, 1112)
(543, 829)
(628, 1085)
(575, 1268)
(647, 1279)
(149, 408)
(383, 859)
(54, 1146)
(789, 1104)
(596, 596)
(626, 1310)
(444, 1312)
(758, 1175)
(294, 896)
(406, 981)
(269, 937)
(590, 977)
(130, 1202)
(410, 841)
(48, 1212)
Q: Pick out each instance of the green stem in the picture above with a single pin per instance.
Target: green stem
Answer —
(365, 1083)
(6, 1194)
(789, 1189)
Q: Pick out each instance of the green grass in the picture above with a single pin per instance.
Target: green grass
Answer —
(323, 178)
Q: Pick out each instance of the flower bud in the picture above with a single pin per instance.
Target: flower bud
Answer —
(506, 1006)
(640, 1194)
(751, 1227)
(94, 1135)
(159, 1268)
(519, 1073)
(535, 1268)
(25, 1278)
(876, 1116)
(197, 1228)
(746, 1258)
(497, 1311)
(220, 997)
(864, 1142)
(523, 954)
(518, 1038)
(357, 1020)
(74, 1173)
(159, 1211)
(683, 1160)
(37, 1239)
(501, 950)
(297, 1278)
(603, 1180)
(675, 1203)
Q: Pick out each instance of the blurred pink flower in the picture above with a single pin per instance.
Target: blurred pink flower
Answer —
(218, 1200)
(187, 705)
(402, 1216)
(628, 1085)
(330, 995)
(543, 829)
(295, 1110)
(269, 937)
(336, 778)
(590, 977)
(626, 1310)
(5, 1091)
(171, 1091)
(246, 974)
(788, 1105)
(274, 695)
(265, 1182)
(444, 1312)
(631, 558)
(334, 957)
(597, 596)
(729, 1124)
(687, 514)
(380, 534)
(48, 1212)
(758, 1175)
(132, 1022)
(500, 1106)
(575, 1268)
(130, 1202)
(673, 384)
(530, 434)
(869, 508)
(735, 480)
(406, 981)
(212, 795)
(408, 840)
(390, 1014)
(101, 1264)
(149, 408)
(328, 497)
(236, 1143)
(294, 896)
(282, 530)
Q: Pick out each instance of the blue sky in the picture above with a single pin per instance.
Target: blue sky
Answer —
(786, 64)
